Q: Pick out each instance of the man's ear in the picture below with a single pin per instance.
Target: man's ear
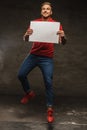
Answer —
(51, 12)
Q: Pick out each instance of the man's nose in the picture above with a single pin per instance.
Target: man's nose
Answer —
(45, 10)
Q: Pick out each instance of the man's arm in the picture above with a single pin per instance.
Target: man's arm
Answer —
(27, 34)
(63, 40)
(62, 37)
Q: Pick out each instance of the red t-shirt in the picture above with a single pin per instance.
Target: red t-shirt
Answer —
(41, 48)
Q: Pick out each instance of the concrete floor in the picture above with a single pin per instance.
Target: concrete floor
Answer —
(70, 113)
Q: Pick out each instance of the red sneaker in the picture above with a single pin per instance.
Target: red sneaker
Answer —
(28, 96)
(50, 117)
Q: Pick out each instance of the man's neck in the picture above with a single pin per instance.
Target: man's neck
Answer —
(46, 19)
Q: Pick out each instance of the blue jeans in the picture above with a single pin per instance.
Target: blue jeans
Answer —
(46, 66)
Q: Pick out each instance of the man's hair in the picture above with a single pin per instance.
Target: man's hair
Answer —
(46, 3)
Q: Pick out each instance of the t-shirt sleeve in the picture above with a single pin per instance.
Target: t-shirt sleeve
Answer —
(61, 28)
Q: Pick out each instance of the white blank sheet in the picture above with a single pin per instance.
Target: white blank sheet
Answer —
(44, 31)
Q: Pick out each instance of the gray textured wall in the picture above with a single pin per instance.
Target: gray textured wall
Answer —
(70, 74)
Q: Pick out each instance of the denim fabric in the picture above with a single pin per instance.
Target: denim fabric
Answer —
(46, 66)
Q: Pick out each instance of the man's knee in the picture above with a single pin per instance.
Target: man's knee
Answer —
(21, 76)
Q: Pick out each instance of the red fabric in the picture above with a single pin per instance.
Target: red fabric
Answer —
(43, 49)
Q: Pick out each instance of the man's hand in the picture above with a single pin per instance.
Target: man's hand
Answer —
(62, 39)
(61, 33)
(27, 34)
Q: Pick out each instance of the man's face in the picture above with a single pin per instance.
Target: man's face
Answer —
(46, 11)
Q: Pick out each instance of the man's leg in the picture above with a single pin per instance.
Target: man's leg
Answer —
(28, 64)
(46, 66)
